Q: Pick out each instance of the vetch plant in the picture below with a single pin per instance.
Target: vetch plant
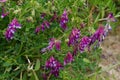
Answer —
(59, 38)
(9, 34)
(54, 66)
(68, 59)
(53, 42)
(64, 20)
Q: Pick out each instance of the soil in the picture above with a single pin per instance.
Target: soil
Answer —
(110, 61)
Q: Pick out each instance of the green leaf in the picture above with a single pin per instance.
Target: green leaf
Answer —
(37, 65)
(25, 76)
(86, 60)
(97, 18)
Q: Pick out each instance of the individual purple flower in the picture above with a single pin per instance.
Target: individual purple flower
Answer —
(54, 66)
(98, 35)
(4, 13)
(64, 17)
(43, 15)
(85, 41)
(54, 17)
(51, 43)
(111, 18)
(3, 0)
(15, 24)
(64, 20)
(74, 36)
(57, 44)
(37, 30)
(43, 50)
(10, 33)
(68, 58)
(47, 24)
(64, 26)
(42, 26)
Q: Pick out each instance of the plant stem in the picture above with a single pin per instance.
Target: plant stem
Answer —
(20, 48)
(35, 75)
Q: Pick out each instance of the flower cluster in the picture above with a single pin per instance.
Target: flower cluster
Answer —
(54, 66)
(53, 42)
(98, 35)
(68, 58)
(85, 41)
(74, 36)
(9, 34)
(109, 19)
(46, 24)
(77, 43)
(64, 20)
(42, 27)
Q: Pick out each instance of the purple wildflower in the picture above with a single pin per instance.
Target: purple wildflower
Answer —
(111, 18)
(12, 29)
(37, 30)
(98, 35)
(47, 24)
(57, 44)
(54, 17)
(85, 41)
(44, 50)
(51, 43)
(9, 33)
(74, 36)
(42, 26)
(68, 58)
(43, 15)
(54, 66)
(3, 0)
(108, 27)
(15, 24)
(64, 20)
(4, 13)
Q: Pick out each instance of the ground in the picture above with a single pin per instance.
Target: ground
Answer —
(110, 61)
